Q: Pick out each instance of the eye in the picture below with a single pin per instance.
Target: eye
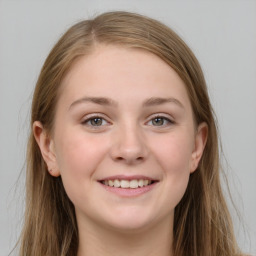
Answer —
(160, 121)
(95, 122)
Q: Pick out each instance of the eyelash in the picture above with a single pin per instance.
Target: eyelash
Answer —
(88, 121)
(167, 121)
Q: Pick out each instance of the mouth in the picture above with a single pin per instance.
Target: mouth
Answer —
(128, 184)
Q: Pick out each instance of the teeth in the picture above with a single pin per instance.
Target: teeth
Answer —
(134, 184)
(110, 183)
(141, 183)
(116, 183)
(145, 182)
(127, 184)
(124, 184)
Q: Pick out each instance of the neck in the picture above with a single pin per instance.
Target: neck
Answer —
(98, 241)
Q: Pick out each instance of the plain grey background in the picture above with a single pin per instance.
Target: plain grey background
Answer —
(222, 34)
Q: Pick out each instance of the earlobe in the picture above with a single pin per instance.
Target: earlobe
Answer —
(200, 142)
(47, 149)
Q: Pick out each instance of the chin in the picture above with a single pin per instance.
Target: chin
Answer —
(133, 221)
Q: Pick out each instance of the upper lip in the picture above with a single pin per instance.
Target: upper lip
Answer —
(126, 177)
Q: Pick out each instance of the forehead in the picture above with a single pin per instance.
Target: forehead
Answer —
(112, 71)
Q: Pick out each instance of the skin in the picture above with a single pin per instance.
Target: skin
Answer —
(129, 141)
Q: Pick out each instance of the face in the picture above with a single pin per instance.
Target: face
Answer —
(124, 140)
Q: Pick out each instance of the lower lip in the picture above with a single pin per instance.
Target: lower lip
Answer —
(129, 192)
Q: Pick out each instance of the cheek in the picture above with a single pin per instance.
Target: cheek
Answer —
(174, 153)
(174, 156)
(78, 156)
(79, 151)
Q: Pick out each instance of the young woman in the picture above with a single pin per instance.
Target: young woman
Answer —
(123, 154)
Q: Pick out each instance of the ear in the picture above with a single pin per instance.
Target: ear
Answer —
(46, 146)
(200, 142)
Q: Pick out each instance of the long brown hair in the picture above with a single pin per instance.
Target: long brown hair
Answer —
(202, 223)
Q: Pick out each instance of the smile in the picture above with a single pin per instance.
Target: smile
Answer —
(127, 183)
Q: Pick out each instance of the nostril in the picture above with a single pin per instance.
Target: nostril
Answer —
(129, 160)
(129, 153)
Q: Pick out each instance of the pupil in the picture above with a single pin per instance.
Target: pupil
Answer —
(158, 121)
(96, 121)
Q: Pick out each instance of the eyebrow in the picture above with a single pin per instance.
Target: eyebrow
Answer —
(96, 100)
(154, 101)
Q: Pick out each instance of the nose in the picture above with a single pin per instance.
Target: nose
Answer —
(129, 146)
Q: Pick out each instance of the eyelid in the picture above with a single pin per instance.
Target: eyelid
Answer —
(91, 116)
(161, 115)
